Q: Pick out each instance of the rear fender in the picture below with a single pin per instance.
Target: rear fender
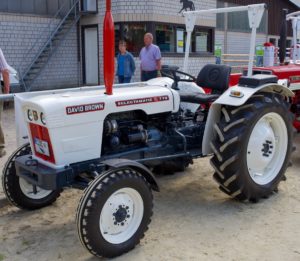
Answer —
(227, 99)
(119, 163)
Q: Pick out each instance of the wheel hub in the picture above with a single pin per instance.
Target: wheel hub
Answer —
(33, 191)
(267, 148)
(121, 215)
(261, 146)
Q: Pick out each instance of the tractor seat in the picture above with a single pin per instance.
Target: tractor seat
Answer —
(214, 77)
(198, 98)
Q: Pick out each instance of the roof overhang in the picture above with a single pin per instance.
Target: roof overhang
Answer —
(295, 2)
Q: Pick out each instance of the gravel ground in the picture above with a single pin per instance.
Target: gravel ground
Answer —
(192, 220)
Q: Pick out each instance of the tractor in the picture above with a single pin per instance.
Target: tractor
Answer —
(109, 142)
(288, 72)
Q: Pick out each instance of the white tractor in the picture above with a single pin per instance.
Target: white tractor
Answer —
(109, 145)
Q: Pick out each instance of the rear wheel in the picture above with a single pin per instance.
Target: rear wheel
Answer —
(114, 212)
(21, 193)
(252, 147)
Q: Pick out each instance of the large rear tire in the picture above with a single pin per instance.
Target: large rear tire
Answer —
(252, 147)
(21, 193)
(114, 212)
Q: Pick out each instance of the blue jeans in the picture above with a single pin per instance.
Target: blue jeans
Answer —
(123, 79)
(259, 60)
(148, 75)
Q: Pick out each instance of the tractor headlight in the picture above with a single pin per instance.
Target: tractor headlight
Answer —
(43, 119)
(30, 115)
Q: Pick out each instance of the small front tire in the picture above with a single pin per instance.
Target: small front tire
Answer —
(21, 193)
(114, 212)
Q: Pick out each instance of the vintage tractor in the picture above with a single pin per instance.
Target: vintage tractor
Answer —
(108, 145)
(288, 72)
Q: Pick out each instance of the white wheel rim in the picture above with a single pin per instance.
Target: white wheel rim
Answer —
(31, 191)
(267, 148)
(121, 215)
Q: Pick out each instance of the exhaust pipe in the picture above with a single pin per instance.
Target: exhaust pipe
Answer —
(108, 49)
(283, 37)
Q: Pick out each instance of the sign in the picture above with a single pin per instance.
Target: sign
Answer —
(85, 108)
(218, 50)
(142, 100)
(259, 50)
(201, 43)
(180, 40)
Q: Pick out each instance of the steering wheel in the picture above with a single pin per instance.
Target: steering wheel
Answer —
(190, 78)
(173, 73)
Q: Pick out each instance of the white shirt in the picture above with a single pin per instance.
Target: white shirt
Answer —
(3, 63)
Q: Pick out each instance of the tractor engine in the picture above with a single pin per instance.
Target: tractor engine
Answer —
(135, 135)
(126, 131)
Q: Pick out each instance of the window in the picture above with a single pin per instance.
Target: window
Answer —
(273, 41)
(170, 38)
(238, 21)
(165, 38)
(202, 41)
(89, 6)
(39, 7)
(132, 33)
(220, 17)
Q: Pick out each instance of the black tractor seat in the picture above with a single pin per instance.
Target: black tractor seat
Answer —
(212, 76)
(198, 98)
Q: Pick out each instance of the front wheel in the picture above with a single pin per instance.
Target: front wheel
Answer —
(252, 147)
(21, 193)
(114, 212)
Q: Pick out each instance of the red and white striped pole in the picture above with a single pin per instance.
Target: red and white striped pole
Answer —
(108, 49)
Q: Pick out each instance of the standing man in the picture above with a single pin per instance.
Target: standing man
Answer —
(150, 57)
(126, 65)
(4, 89)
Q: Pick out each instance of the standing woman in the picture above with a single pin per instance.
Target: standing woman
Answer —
(126, 65)
(6, 88)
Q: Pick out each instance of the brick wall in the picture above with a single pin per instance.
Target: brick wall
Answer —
(63, 69)
(154, 10)
(195, 64)
(20, 32)
(157, 10)
(237, 43)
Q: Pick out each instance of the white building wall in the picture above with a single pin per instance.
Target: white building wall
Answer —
(153, 10)
(237, 43)
(157, 10)
(63, 68)
(240, 42)
(20, 32)
(195, 65)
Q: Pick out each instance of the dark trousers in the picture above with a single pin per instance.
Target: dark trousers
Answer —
(148, 75)
(123, 79)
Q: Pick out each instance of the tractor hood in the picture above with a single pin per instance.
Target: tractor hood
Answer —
(90, 104)
(66, 126)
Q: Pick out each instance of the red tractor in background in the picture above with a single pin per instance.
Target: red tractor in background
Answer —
(288, 72)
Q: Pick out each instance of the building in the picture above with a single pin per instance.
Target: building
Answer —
(58, 43)
(233, 30)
